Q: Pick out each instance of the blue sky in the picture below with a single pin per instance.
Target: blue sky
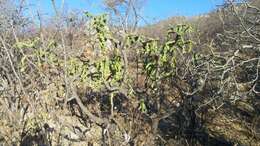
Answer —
(153, 10)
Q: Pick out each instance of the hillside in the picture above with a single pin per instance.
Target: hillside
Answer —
(79, 80)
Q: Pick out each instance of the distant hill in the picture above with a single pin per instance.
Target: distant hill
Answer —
(206, 25)
(159, 29)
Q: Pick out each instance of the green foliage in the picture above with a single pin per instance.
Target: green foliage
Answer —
(31, 51)
(181, 32)
(99, 24)
(75, 66)
(142, 106)
(116, 68)
(27, 43)
(107, 69)
(23, 63)
(159, 61)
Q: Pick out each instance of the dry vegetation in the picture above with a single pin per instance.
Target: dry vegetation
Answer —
(85, 80)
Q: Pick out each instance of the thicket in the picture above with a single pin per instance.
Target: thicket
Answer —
(123, 88)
